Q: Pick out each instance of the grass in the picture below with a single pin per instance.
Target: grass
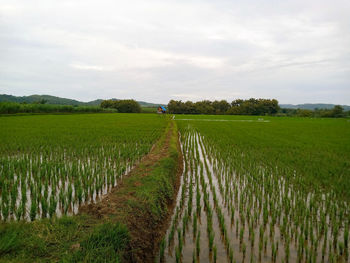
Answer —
(9, 241)
(55, 239)
(105, 244)
(40, 241)
(157, 188)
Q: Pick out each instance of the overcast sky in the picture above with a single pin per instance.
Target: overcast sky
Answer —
(294, 51)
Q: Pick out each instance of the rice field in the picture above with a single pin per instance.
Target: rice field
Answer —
(253, 189)
(50, 165)
(261, 190)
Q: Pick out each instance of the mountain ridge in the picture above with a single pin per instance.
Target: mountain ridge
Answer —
(65, 101)
(61, 101)
(312, 106)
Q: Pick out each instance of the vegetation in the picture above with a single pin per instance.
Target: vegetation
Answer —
(251, 107)
(314, 149)
(237, 107)
(41, 107)
(50, 165)
(123, 106)
(70, 239)
(270, 188)
(47, 98)
(313, 106)
(336, 112)
(105, 244)
(32, 99)
(88, 236)
(148, 110)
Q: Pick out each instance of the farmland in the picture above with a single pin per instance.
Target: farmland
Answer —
(261, 189)
(107, 187)
(52, 164)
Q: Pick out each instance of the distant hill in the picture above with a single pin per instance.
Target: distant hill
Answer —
(312, 106)
(36, 98)
(60, 101)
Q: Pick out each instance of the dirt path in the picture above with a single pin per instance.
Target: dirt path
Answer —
(128, 204)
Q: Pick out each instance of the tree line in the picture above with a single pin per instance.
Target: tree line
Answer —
(41, 107)
(237, 107)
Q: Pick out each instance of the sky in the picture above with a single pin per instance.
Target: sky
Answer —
(156, 50)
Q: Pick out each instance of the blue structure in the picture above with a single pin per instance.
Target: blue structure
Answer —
(161, 110)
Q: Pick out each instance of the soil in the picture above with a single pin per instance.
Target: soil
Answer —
(146, 230)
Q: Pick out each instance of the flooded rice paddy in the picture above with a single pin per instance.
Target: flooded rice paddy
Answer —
(43, 185)
(52, 164)
(223, 215)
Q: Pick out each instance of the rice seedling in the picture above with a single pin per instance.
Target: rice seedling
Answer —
(177, 255)
(194, 227)
(231, 255)
(194, 257)
(66, 161)
(180, 239)
(162, 250)
(198, 247)
(244, 250)
(260, 200)
(211, 240)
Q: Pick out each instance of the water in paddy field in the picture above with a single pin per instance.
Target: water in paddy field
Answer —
(225, 216)
(44, 187)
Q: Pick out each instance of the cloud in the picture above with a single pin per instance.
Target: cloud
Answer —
(90, 67)
(294, 51)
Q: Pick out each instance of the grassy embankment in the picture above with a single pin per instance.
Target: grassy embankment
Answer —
(119, 228)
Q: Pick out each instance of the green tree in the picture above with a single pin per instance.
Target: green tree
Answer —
(204, 107)
(128, 106)
(124, 106)
(338, 111)
(304, 113)
(108, 104)
(175, 107)
(221, 107)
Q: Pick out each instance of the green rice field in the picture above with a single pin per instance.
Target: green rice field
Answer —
(253, 189)
(52, 164)
(261, 189)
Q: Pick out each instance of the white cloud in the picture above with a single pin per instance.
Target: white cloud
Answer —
(157, 50)
(90, 67)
